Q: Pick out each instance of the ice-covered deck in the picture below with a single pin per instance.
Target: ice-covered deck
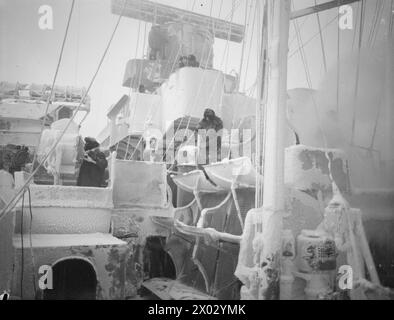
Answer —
(61, 209)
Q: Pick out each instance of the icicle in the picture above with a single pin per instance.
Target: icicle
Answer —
(334, 222)
(287, 265)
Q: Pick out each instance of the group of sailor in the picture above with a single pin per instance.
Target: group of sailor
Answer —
(93, 171)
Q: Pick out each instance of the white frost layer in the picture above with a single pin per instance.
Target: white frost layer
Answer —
(67, 240)
(189, 91)
(304, 179)
(70, 196)
(56, 220)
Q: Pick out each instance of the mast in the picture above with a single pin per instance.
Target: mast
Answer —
(278, 20)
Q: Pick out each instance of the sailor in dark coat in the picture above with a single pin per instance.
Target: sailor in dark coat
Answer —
(94, 163)
(208, 123)
(192, 61)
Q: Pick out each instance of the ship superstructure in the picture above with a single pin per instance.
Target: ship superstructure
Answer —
(273, 214)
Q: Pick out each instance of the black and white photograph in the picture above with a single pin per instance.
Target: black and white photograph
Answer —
(218, 151)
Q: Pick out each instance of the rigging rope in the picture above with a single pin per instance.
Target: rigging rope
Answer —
(247, 19)
(54, 81)
(144, 43)
(326, 153)
(33, 263)
(376, 124)
(375, 21)
(378, 22)
(131, 87)
(246, 24)
(391, 12)
(226, 51)
(250, 45)
(22, 247)
(220, 8)
(194, 2)
(357, 79)
(148, 116)
(357, 70)
(200, 85)
(321, 39)
(356, 23)
(39, 141)
(22, 190)
(308, 79)
(265, 102)
(137, 97)
(205, 42)
(338, 60)
(261, 104)
(374, 18)
(301, 25)
(78, 40)
(172, 68)
(313, 37)
(228, 42)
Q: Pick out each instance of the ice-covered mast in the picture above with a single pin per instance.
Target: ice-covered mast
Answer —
(278, 18)
(263, 226)
(258, 262)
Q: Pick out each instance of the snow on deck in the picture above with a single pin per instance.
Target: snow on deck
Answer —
(67, 240)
